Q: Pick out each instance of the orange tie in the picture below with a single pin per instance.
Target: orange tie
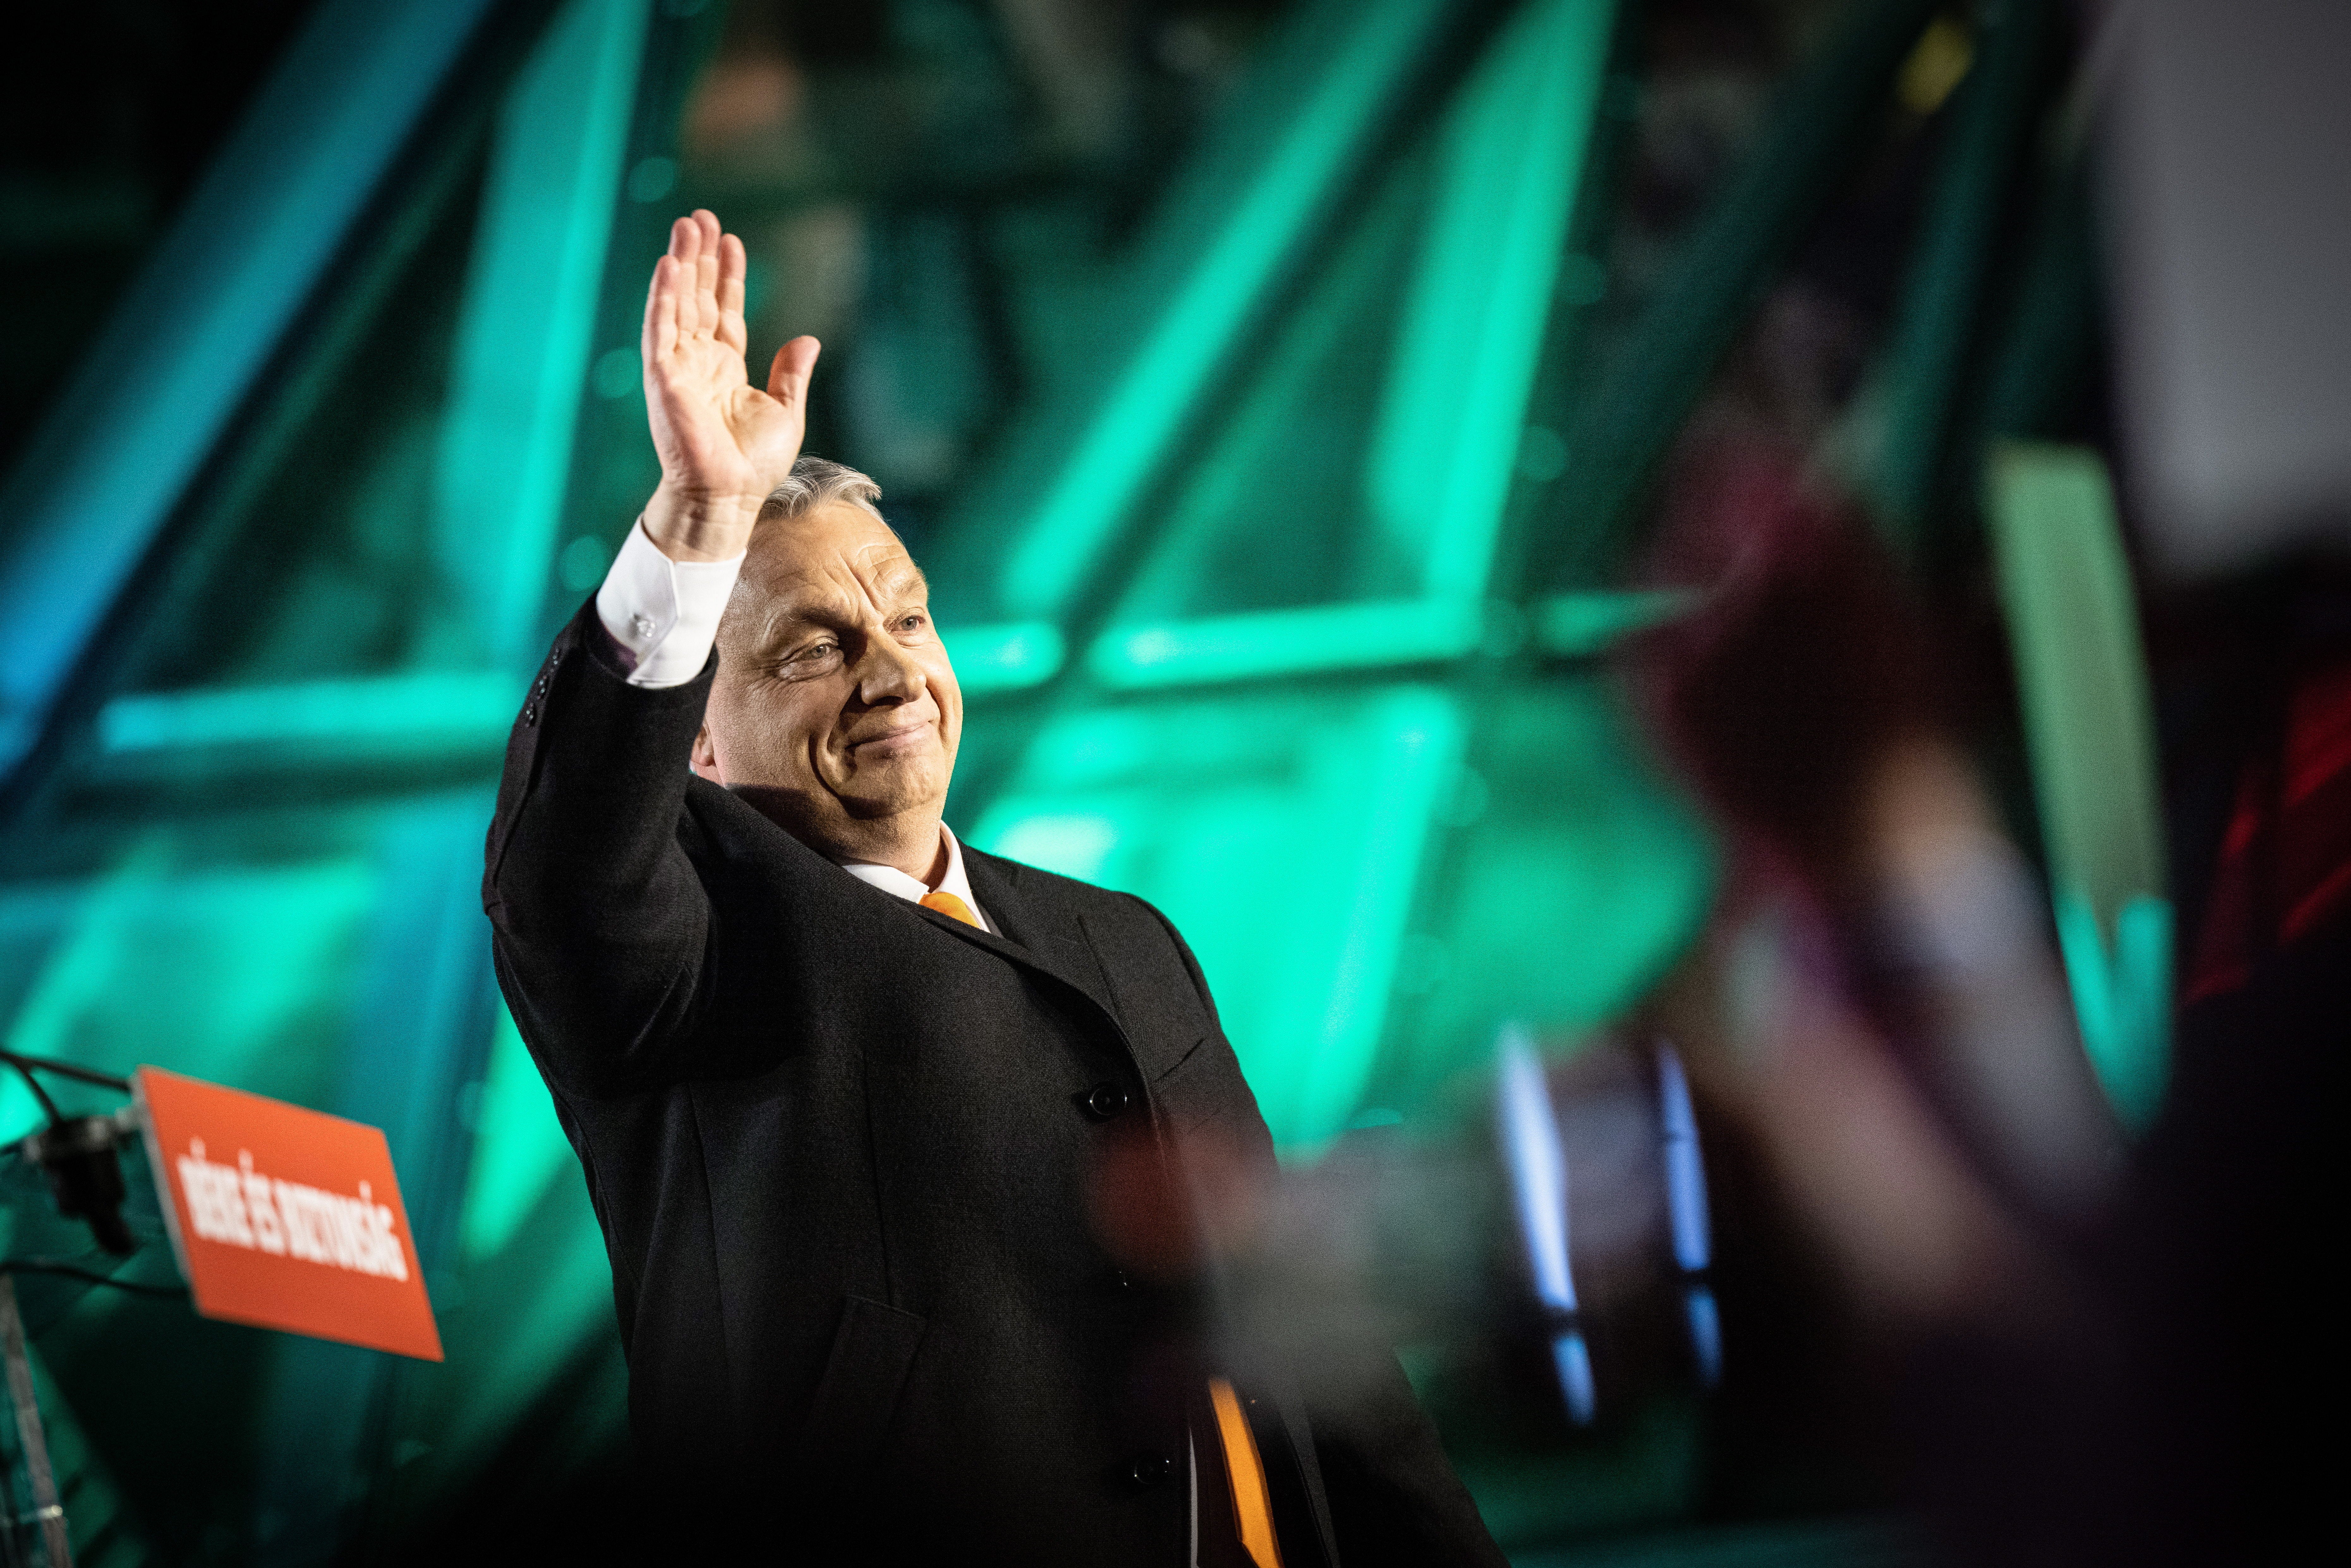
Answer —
(948, 905)
(1252, 1505)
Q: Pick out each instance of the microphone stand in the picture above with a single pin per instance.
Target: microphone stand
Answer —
(80, 1179)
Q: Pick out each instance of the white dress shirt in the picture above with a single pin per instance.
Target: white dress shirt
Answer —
(663, 617)
(663, 614)
(890, 879)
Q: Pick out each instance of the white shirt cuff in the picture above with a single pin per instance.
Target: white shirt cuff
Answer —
(663, 614)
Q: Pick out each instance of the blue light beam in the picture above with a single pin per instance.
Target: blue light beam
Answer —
(1686, 1212)
(1530, 1143)
(183, 348)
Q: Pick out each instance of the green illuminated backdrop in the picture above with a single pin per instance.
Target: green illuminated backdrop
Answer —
(1277, 591)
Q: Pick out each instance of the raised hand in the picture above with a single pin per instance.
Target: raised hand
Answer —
(724, 443)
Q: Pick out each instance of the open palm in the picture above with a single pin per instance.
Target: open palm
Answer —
(724, 443)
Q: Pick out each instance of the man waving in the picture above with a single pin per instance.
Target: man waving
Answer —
(841, 1086)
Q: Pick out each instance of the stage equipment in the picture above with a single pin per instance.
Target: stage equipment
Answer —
(273, 1215)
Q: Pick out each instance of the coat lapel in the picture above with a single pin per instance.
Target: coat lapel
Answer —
(1036, 931)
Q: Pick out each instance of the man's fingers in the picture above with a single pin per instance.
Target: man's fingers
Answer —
(647, 342)
(685, 239)
(705, 273)
(732, 265)
(685, 244)
(788, 376)
(661, 312)
(697, 288)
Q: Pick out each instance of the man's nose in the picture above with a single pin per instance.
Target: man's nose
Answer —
(889, 672)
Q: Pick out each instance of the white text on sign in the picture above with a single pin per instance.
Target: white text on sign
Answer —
(239, 1206)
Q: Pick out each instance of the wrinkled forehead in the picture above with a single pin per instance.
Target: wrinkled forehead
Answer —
(828, 563)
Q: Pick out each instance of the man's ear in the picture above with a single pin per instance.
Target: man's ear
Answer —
(706, 755)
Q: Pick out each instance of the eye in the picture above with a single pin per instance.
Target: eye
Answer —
(815, 656)
(912, 622)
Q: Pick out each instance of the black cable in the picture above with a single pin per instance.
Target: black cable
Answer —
(66, 1070)
(92, 1277)
(25, 1069)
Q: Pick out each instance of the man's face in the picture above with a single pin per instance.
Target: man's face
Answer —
(835, 710)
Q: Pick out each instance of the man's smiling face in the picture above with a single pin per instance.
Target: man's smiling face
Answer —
(835, 710)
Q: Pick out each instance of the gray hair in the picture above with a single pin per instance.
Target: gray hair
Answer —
(820, 482)
(813, 481)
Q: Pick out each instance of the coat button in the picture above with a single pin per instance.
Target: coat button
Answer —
(1150, 1470)
(1103, 1100)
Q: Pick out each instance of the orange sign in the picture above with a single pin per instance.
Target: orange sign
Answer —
(284, 1218)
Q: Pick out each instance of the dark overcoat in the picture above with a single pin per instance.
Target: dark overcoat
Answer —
(841, 1148)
